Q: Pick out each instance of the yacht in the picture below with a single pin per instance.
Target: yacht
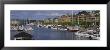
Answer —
(73, 29)
(28, 28)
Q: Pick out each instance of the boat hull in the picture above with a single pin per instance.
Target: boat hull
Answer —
(73, 30)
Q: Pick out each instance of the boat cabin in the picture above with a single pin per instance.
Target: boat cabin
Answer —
(23, 36)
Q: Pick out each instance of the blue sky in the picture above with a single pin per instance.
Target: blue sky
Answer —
(39, 14)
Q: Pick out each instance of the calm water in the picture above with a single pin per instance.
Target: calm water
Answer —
(49, 34)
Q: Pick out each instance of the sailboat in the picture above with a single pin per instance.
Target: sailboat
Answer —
(28, 27)
(20, 28)
(75, 28)
(13, 28)
(62, 28)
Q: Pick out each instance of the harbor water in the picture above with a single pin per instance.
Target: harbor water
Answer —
(40, 33)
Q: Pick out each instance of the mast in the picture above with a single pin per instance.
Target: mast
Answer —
(29, 20)
(72, 17)
(78, 20)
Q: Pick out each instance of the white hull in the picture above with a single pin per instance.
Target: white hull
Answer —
(13, 28)
(28, 28)
(63, 29)
(54, 28)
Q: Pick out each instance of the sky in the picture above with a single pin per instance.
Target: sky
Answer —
(39, 14)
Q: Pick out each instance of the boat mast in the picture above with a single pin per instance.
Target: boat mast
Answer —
(29, 20)
(77, 19)
(26, 21)
(72, 17)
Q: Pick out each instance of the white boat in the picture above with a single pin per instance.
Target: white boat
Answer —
(62, 28)
(59, 25)
(79, 33)
(39, 25)
(13, 28)
(28, 28)
(21, 27)
(96, 38)
(73, 29)
(54, 28)
(90, 30)
(48, 26)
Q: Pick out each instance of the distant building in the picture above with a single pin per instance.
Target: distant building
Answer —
(64, 18)
(91, 19)
(55, 20)
(14, 22)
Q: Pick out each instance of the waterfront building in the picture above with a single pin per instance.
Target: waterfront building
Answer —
(64, 18)
(14, 22)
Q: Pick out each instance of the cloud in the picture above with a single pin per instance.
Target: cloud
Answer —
(39, 14)
(55, 14)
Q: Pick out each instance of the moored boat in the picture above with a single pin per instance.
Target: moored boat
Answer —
(28, 28)
(73, 29)
(14, 28)
(23, 36)
(54, 28)
(62, 28)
